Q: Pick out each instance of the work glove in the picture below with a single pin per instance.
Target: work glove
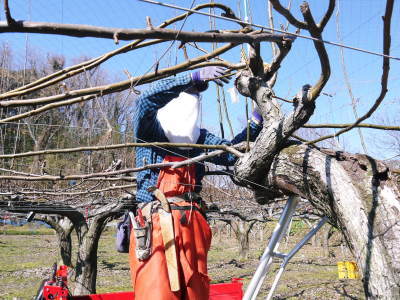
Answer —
(256, 117)
(210, 73)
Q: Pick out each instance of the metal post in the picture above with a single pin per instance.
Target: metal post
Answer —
(266, 259)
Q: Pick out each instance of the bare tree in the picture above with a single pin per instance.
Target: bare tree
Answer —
(88, 227)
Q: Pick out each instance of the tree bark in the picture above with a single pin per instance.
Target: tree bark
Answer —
(65, 241)
(361, 198)
(242, 230)
(63, 228)
(86, 264)
(88, 238)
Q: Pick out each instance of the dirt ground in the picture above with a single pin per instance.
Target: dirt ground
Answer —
(28, 253)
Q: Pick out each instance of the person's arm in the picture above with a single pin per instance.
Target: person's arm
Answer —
(146, 127)
(158, 95)
(228, 159)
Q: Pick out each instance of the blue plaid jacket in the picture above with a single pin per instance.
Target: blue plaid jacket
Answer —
(148, 129)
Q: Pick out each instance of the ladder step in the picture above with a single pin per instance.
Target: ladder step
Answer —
(279, 255)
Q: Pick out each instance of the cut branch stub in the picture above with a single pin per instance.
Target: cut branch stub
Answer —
(257, 89)
(305, 10)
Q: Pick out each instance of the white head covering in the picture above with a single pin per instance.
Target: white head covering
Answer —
(180, 119)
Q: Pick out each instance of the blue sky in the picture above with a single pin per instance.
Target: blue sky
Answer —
(360, 25)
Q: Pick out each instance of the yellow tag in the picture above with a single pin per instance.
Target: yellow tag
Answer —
(347, 270)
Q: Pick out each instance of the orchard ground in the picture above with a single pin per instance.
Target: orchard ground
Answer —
(27, 254)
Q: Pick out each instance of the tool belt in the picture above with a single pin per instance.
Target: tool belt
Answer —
(142, 221)
(192, 198)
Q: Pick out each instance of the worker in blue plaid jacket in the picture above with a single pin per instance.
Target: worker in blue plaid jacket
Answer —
(169, 111)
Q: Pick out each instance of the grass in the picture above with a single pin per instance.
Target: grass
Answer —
(25, 230)
(297, 227)
(27, 259)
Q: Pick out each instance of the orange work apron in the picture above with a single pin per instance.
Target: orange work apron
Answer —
(192, 241)
(174, 182)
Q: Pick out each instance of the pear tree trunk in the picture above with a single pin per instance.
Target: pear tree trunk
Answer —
(360, 196)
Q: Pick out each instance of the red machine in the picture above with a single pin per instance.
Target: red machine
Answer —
(57, 289)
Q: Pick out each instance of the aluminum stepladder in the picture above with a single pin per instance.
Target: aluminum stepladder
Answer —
(272, 247)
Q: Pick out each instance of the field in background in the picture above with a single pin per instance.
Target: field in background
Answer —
(27, 254)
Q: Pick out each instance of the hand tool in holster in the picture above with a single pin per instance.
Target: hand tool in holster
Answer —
(168, 236)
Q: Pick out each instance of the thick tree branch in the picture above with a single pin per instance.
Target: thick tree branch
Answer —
(277, 128)
(21, 206)
(322, 54)
(77, 30)
(256, 63)
(60, 193)
(360, 196)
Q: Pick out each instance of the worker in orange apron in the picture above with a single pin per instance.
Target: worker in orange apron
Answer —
(175, 268)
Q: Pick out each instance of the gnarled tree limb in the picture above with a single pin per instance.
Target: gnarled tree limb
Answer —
(385, 73)
(327, 15)
(322, 54)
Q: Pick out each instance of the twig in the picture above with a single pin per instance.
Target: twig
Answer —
(72, 193)
(272, 80)
(202, 157)
(46, 108)
(283, 99)
(122, 85)
(124, 171)
(347, 81)
(73, 70)
(363, 125)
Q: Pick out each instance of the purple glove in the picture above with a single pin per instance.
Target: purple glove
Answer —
(256, 117)
(210, 73)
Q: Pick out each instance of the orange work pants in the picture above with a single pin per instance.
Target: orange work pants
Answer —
(192, 241)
